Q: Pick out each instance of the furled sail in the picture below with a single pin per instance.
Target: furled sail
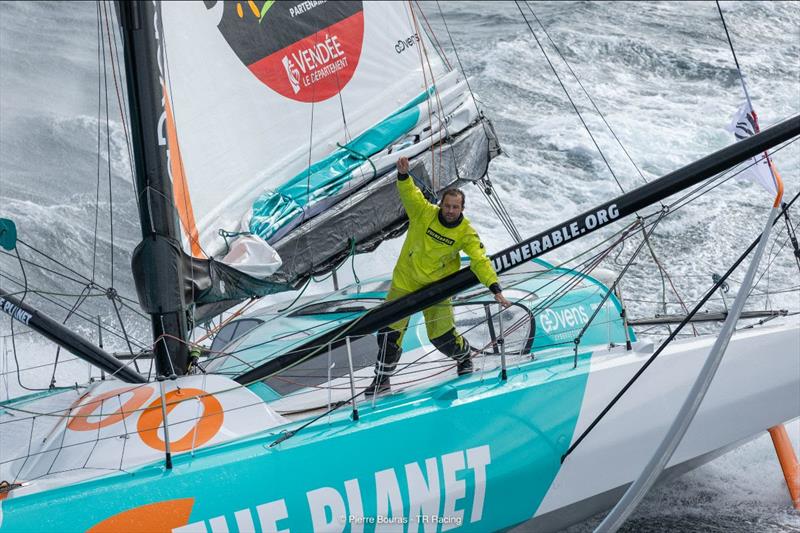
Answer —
(283, 121)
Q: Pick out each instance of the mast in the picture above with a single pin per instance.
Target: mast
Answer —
(156, 262)
(521, 253)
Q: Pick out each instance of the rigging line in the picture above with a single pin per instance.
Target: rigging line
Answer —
(30, 442)
(444, 131)
(53, 260)
(588, 264)
(308, 169)
(576, 274)
(82, 283)
(360, 318)
(712, 187)
(108, 157)
(113, 299)
(614, 285)
(65, 306)
(673, 207)
(99, 114)
(43, 365)
(276, 339)
(486, 187)
(792, 237)
(746, 94)
(733, 52)
(501, 212)
(461, 66)
(442, 122)
(432, 35)
(288, 434)
(572, 280)
(423, 60)
(583, 269)
(55, 272)
(212, 331)
(669, 339)
(13, 339)
(502, 208)
(662, 271)
(507, 225)
(122, 108)
(574, 75)
(120, 99)
(78, 302)
(598, 245)
(767, 268)
(574, 107)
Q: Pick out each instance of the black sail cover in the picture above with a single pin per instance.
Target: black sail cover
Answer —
(269, 136)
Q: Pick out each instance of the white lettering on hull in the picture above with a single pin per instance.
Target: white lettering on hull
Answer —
(331, 509)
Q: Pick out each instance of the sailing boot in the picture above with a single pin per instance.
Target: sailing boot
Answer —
(388, 355)
(379, 385)
(465, 367)
(456, 347)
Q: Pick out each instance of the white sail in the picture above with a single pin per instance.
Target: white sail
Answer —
(261, 91)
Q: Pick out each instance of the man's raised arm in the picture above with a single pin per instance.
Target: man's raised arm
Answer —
(413, 199)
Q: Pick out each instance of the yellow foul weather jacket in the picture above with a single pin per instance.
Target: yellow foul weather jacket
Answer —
(431, 249)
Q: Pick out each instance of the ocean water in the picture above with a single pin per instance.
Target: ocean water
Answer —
(661, 73)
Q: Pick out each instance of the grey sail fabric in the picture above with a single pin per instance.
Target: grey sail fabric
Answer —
(374, 213)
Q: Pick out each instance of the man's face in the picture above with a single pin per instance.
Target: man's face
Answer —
(451, 206)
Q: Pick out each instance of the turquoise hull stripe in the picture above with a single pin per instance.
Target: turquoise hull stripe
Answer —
(493, 450)
(275, 209)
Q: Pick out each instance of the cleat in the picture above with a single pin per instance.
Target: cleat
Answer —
(378, 386)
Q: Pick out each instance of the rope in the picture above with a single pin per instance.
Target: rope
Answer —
(122, 113)
(13, 340)
(585, 92)
(744, 88)
(424, 60)
(359, 156)
(432, 36)
(494, 201)
(226, 234)
(353, 260)
(662, 271)
(669, 339)
(99, 114)
(78, 302)
(108, 148)
(461, 66)
(792, 236)
(566, 92)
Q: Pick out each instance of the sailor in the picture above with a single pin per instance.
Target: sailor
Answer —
(436, 235)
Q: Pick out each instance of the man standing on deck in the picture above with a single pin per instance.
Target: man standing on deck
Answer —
(436, 235)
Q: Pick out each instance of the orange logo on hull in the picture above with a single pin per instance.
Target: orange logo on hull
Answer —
(81, 422)
(205, 428)
(159, 517)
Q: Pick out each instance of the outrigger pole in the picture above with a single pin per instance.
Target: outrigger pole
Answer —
(67, 339)
(557, 236)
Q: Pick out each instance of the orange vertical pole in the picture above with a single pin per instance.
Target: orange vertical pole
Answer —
(788, 460)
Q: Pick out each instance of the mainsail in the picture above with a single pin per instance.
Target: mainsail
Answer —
(280, 123)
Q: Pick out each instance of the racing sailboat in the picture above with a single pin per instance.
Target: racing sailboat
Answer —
(267, 432)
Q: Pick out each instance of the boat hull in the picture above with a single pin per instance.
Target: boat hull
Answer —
(472, 454)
